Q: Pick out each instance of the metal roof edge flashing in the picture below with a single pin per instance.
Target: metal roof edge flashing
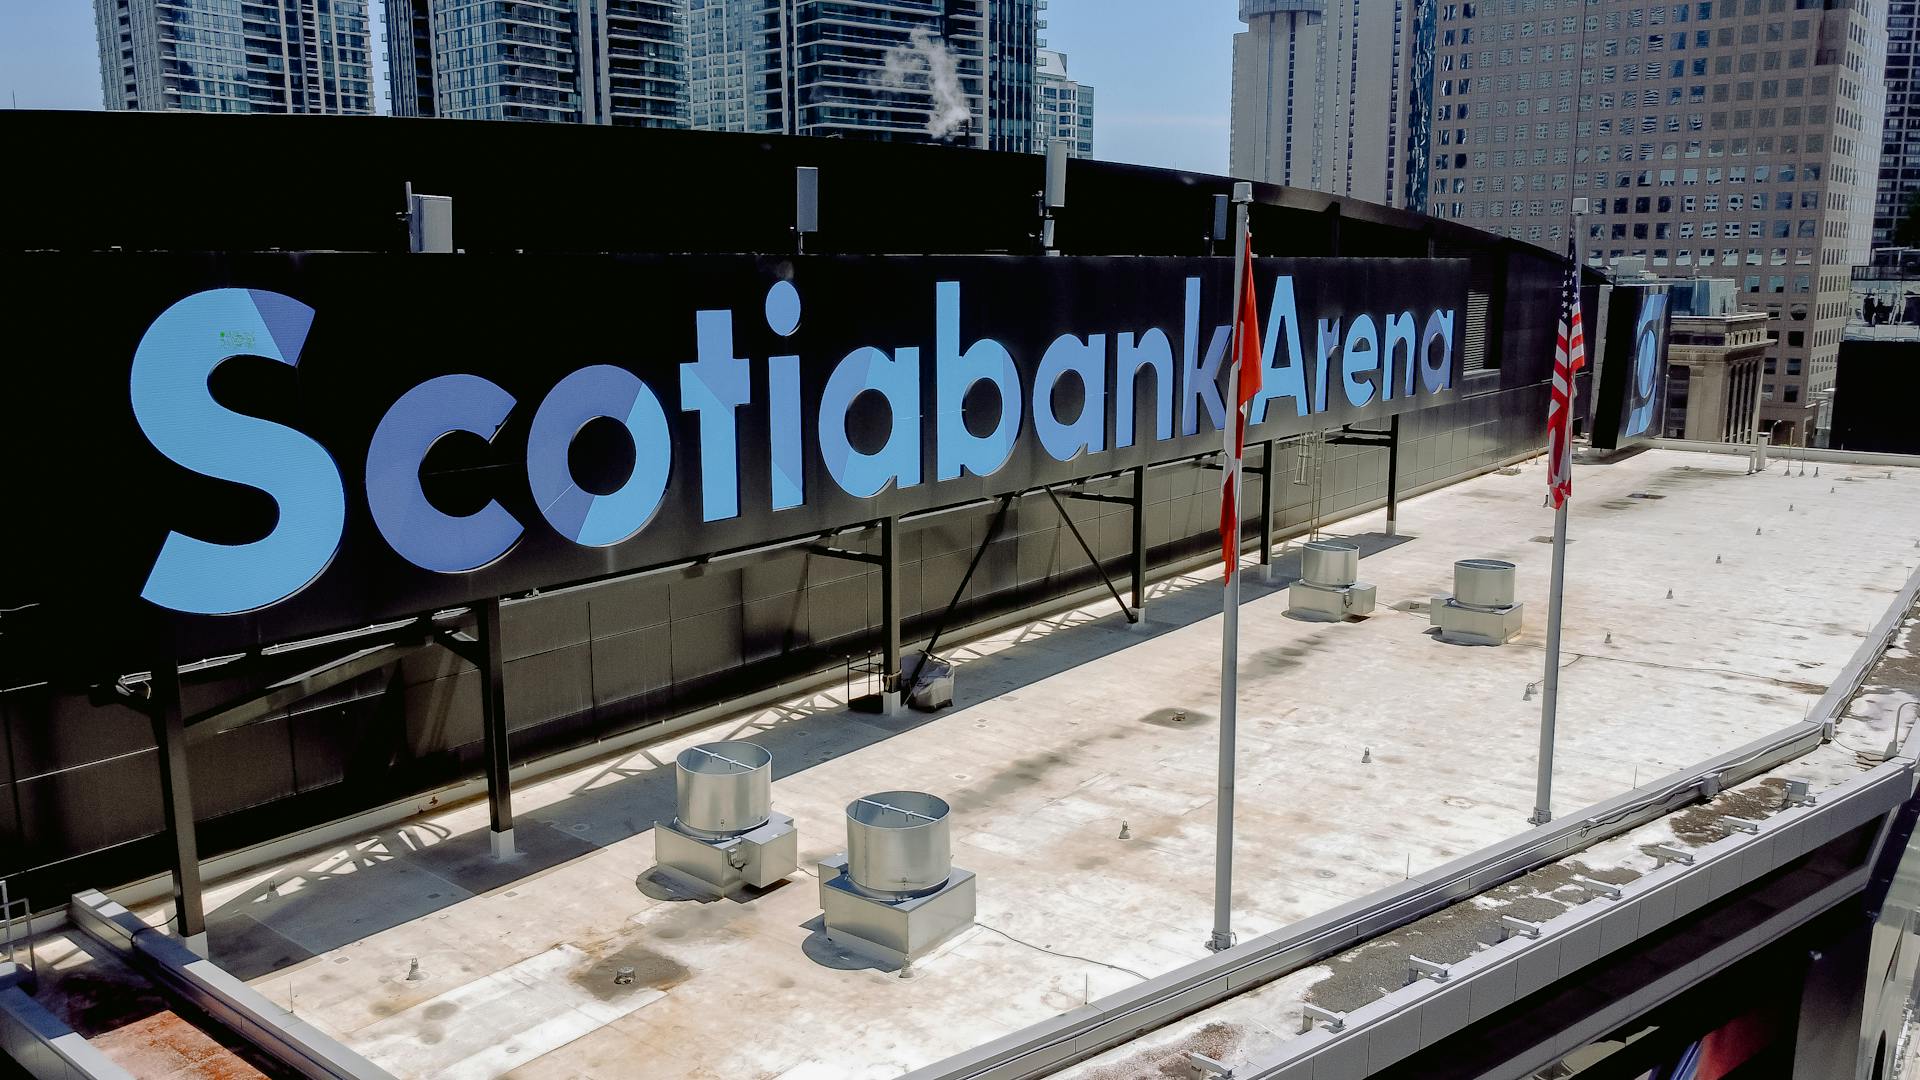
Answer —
(1589, 932)
(1086, 1031)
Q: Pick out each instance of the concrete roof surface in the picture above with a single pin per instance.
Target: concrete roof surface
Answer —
(1063, 729)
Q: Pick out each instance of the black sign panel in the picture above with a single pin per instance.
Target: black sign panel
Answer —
(1630, 400)
(267, 447)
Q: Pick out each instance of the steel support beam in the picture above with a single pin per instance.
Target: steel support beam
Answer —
(297, 688)
(176, 800)
(1132, 615)
(868, 558)
(1393, 478)
(1266, 507)
(946, 617)
(890, 604)
(493, 728)
(1094, 496)
(1137, 562)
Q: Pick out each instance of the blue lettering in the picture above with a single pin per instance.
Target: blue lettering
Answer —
(1360, 358)
(1200, 382)
(1403, 332)
(1087, 432)
(958, 450)
(1155, 353)
(896, 378)
(714, 386)
(1289, 379)
(578, 514)
(1436, 374)
(417, 530)
(176, 411)
(1329, 344)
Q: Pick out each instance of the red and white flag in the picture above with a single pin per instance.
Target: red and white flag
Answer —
(1569, 356)
(1244, 378)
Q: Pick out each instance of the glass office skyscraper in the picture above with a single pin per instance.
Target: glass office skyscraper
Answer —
(1013, 29)
(1715, 138)
(1900, 144)
(301, 56)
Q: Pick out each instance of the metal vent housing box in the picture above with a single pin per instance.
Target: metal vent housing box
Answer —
(723, 788)
(1333, 563)
(1486, 584)
(899, 844)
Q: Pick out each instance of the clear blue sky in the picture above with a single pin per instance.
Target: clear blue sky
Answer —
(1162, 70)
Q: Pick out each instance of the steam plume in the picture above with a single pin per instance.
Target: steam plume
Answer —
(924, 60)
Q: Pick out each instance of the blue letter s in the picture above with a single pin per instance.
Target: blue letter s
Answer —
(177, 413)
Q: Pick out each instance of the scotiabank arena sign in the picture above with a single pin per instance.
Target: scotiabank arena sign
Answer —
(264, 447)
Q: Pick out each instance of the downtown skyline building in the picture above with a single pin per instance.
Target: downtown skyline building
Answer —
(1334, 95)
(1063, 108)
(1716, 138)
(297, 56)
(1900, 142)
(1013, 74)
(620, 62)
(894, 70)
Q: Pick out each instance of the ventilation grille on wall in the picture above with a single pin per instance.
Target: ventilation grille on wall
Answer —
(1474, 353)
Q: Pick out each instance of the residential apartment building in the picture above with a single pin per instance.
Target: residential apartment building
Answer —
(1900, 142)
(1063, 109)
(1334, 95)
(566, 61)
(727, 65)
(1733, 138)
(299, 56)
(914, 70)
(410, 58)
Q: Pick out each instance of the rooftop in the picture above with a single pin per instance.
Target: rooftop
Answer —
(1705, 609)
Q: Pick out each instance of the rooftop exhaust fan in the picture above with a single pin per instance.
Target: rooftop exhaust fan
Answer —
(1481, 610)
(1329, 588)
(724, 833)
(894, 895)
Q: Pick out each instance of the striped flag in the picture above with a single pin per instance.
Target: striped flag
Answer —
(1244, 376)
(1569, 356)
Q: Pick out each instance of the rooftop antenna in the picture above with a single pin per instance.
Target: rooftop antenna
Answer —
(1053, 196)
(429, 221)
(806, 205)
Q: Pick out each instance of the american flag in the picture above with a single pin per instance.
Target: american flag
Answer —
(1569, 356)
(1244, 376)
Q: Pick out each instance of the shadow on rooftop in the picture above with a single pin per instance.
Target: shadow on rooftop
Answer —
(410, 871)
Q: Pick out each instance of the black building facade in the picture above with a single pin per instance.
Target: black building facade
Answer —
(1873, 393)
(598, 652)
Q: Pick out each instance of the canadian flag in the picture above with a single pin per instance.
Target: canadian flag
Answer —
(1244, 377)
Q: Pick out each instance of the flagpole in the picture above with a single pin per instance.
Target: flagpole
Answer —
(1550, 685)
(1543, 796)
(1222, 938)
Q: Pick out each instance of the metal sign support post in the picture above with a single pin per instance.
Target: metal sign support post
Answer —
(493, 730)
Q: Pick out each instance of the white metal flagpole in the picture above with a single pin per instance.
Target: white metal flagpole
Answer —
(1550, 684)
(1550, 696)
(1230, 605)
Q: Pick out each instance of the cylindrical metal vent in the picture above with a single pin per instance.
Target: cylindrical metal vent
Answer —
(1333, 563)
(898, 844)
(724, 788)
(1483, 583)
